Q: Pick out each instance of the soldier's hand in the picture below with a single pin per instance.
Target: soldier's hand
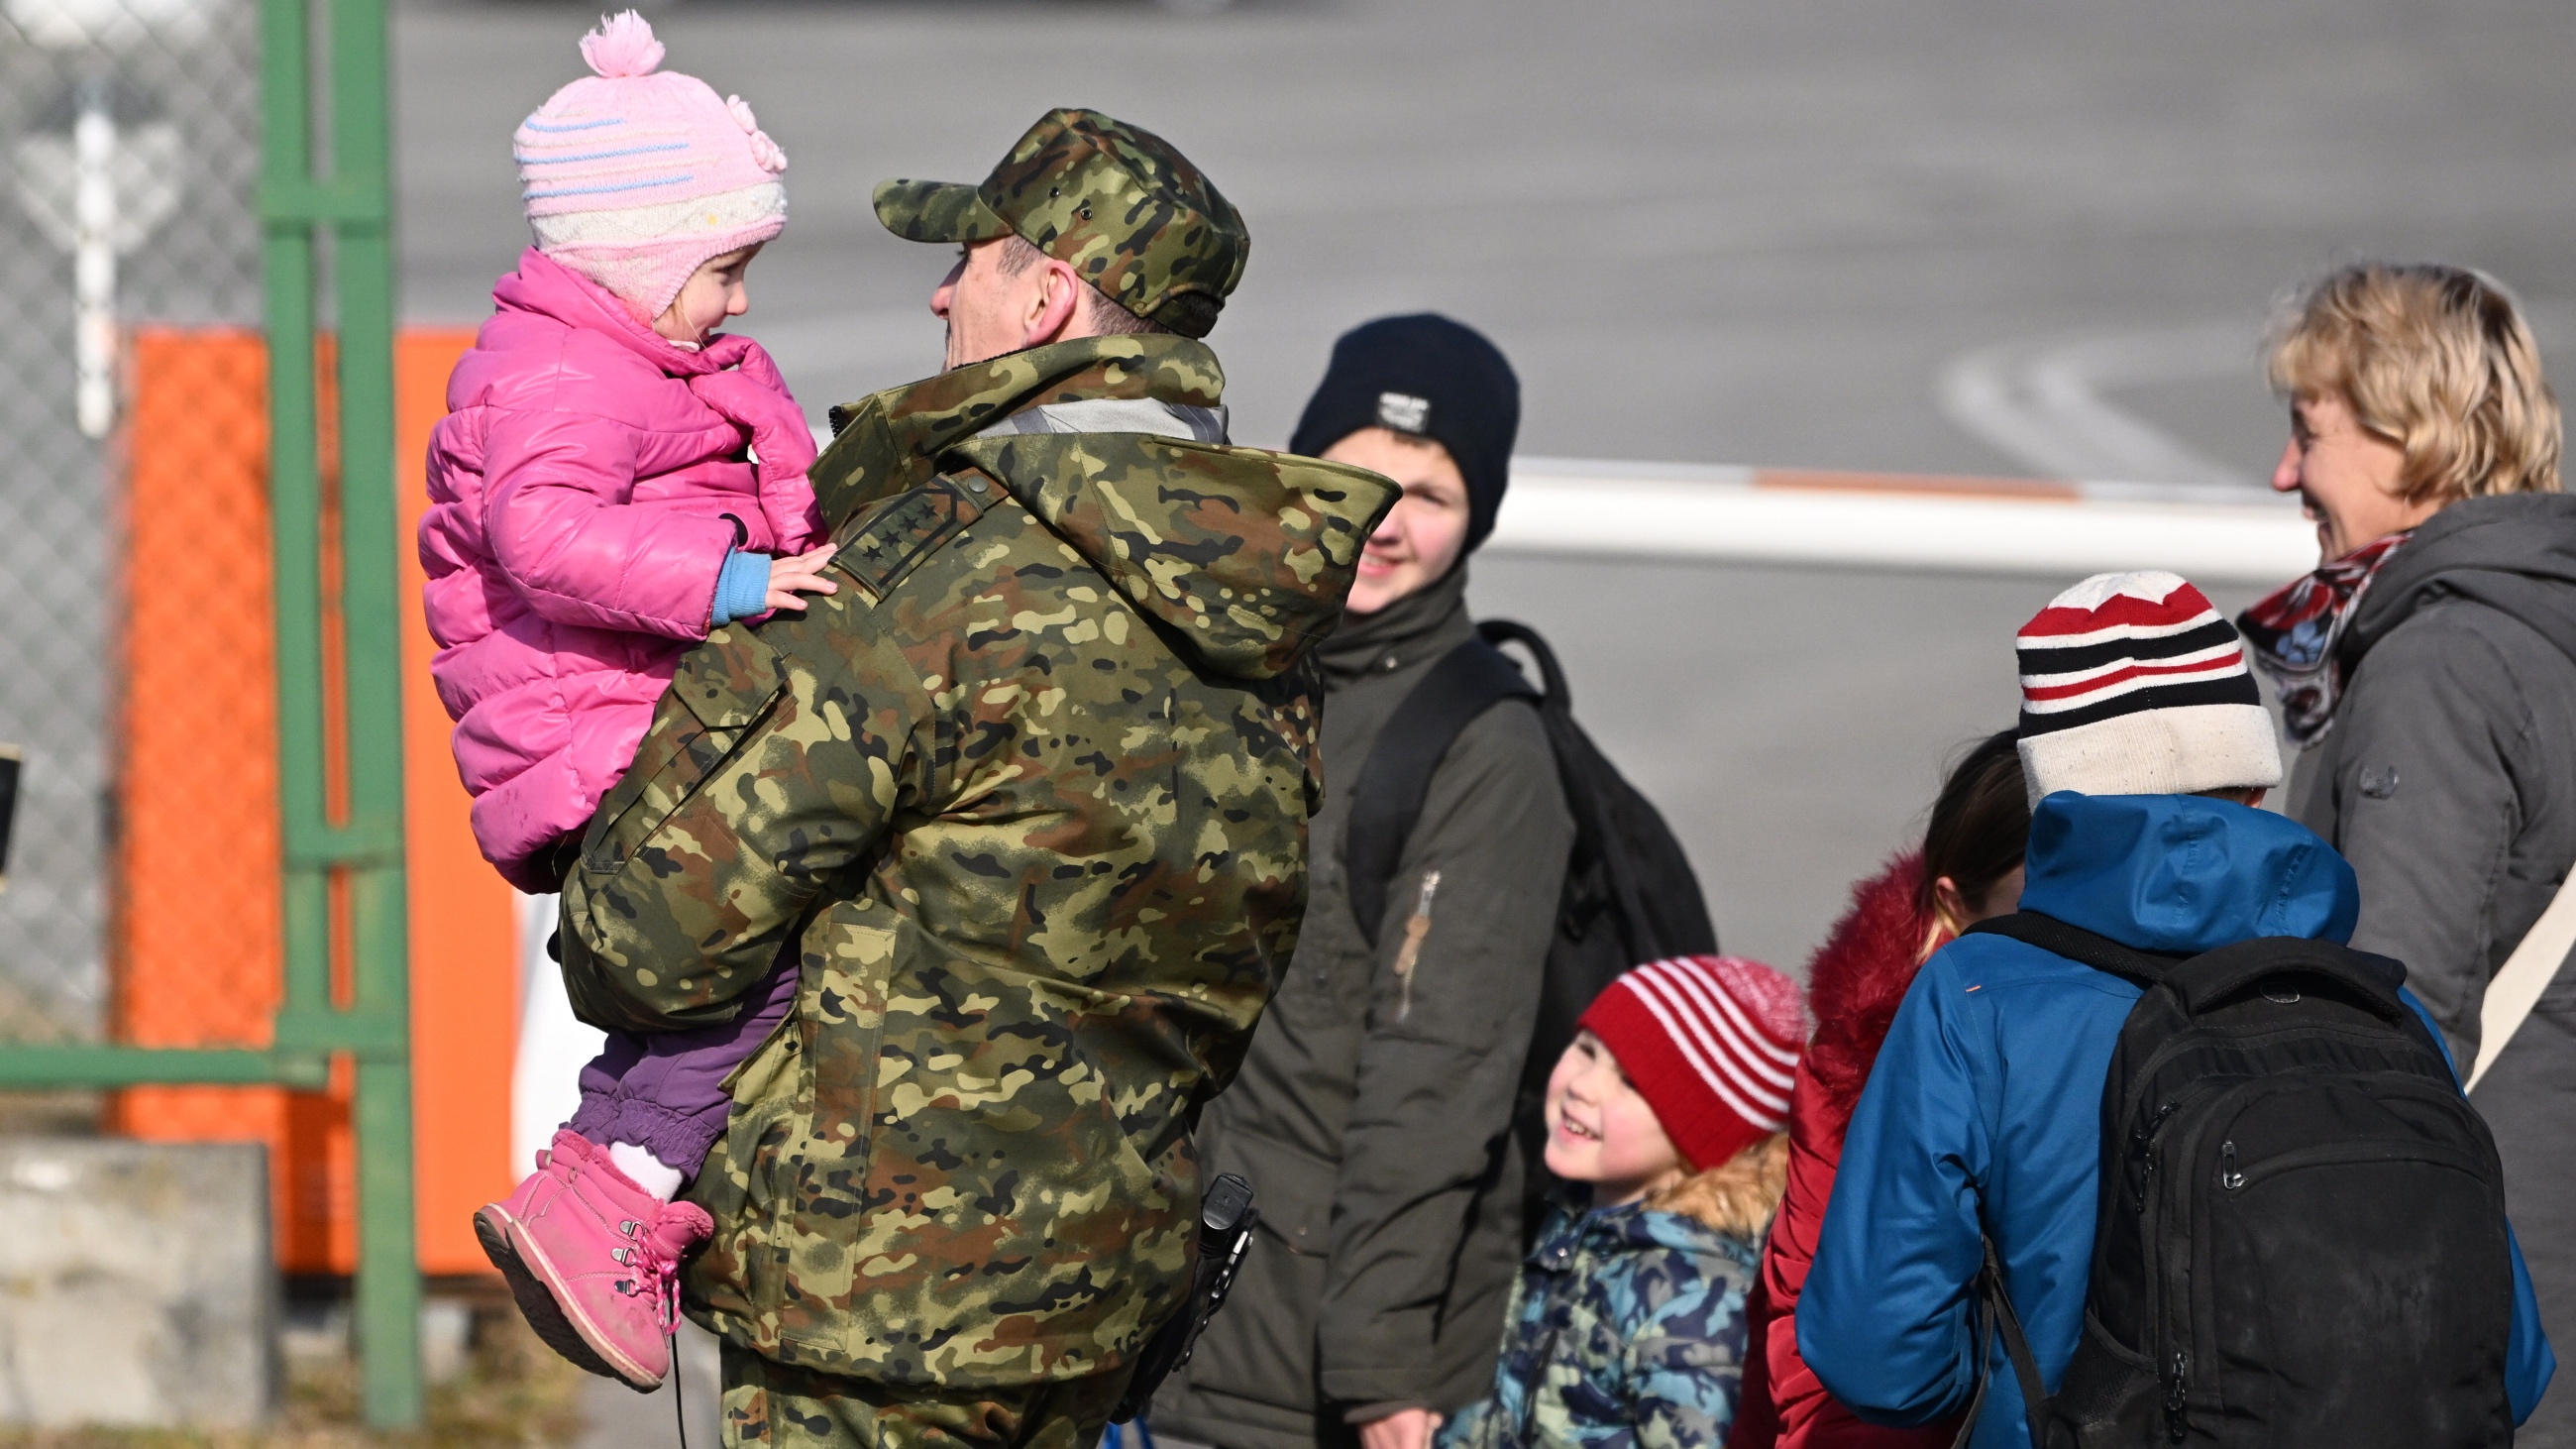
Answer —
(1403, 1429)
(802, 574)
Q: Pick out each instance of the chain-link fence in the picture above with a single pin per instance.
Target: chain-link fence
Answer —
(131, 133)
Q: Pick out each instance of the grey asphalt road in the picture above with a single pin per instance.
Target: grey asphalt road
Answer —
(617, 1417)
(1705, 231)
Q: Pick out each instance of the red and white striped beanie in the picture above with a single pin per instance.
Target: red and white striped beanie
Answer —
(1711, 1043)
(2131, 684)
(636, 176)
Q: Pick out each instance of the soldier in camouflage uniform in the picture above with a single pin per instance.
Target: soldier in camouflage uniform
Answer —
(1029, 793)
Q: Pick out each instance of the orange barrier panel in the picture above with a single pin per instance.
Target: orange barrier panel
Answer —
(464, 946)
(196, 934)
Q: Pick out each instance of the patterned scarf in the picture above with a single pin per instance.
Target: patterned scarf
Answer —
(2293, 634)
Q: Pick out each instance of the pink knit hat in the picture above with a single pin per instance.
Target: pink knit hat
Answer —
(1711, 1043)
(635, 179)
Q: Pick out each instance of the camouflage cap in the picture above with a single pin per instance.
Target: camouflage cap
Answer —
(1115, 203)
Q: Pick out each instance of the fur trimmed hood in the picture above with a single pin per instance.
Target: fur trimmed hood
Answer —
(1738, 1196)
(1858, 977)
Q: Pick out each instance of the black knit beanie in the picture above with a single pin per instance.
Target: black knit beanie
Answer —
(1427, 377)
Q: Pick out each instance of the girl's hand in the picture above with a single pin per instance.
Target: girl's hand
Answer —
(802, 574)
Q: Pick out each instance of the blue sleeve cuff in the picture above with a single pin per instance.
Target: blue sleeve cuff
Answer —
(2529, 1362)
(742, 588)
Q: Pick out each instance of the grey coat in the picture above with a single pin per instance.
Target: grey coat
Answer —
(1373, 1123)
(2448, 779)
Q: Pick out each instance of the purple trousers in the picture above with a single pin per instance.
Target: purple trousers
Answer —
(663, 1091)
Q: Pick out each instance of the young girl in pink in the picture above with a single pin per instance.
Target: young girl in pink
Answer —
(614, 480)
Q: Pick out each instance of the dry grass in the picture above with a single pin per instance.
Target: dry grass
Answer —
(515, 1391)
(48, 1114)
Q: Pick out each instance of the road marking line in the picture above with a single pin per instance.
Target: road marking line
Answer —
(2042, 401)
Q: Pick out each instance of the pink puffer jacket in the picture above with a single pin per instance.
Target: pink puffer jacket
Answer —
(584, 490)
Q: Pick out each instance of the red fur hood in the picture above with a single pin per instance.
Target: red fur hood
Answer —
(1856, 980)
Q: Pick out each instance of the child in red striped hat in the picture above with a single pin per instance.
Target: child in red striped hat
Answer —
(1665, 1116)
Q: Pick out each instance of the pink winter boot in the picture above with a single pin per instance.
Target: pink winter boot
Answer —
(594, 1261)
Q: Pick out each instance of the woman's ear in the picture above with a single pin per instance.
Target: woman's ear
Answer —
(1949, 905)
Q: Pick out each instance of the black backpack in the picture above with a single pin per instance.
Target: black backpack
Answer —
(2301, 1233)
(1630, 896)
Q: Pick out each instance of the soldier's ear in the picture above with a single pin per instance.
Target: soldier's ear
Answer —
(1055, 305)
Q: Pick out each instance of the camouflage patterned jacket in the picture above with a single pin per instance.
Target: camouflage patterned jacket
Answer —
(1626, 1332)
(1031, 793)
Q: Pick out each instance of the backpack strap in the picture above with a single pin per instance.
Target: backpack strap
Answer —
(1396, 778)
(1997, 1315)
(2214, 976)
(2511, 993)
(2146, 968)
(1553, 693)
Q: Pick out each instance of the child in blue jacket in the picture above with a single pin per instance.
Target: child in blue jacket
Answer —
(2147, 745)
(1627, 1326)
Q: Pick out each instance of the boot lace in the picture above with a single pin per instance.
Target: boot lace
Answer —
(657, 1272)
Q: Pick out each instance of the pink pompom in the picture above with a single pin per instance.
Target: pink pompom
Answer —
(763, 150)
(623, 45)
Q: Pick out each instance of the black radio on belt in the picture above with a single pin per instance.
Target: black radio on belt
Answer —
(1226, 1218)
(8, 805)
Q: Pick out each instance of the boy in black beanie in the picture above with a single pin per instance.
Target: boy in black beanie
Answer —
(1375, 1108)
(1431, 404)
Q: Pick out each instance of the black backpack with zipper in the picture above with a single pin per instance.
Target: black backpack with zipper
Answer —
(2301, 1238)
(1630, 895)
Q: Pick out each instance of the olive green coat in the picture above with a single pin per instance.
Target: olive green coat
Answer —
(1030, 792)
(1371, 1118)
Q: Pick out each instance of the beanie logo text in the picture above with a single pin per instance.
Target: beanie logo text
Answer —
(1404, 412)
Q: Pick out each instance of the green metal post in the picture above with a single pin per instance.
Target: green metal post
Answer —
(365, 848)
(350, 198)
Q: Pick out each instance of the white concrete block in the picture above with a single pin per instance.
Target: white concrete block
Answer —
(137, 1284)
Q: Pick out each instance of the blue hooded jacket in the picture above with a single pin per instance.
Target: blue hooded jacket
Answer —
(1989, 1092)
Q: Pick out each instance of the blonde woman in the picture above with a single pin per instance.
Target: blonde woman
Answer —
(2429, 670)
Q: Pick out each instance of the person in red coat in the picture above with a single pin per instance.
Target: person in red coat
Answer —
(1968, 868)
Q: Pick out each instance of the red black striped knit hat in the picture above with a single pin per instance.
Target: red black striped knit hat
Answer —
(1711, 1043)
(2131, 684)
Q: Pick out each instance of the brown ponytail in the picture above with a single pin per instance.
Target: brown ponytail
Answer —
(1980, 826)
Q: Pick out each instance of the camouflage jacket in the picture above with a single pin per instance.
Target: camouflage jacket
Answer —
(1030, 793)
(1627, 1329)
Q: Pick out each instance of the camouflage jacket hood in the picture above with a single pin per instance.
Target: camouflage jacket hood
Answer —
(1206, 538)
